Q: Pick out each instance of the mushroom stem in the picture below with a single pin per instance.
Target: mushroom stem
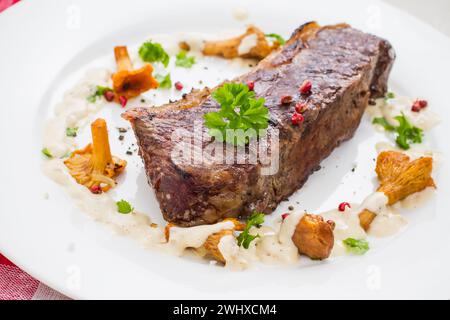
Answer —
(101, 150)
(122, 58)
(365, 219)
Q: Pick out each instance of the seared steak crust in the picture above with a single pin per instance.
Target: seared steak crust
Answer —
(346, 68)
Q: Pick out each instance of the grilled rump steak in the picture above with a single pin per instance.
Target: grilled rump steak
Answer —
(346, 68)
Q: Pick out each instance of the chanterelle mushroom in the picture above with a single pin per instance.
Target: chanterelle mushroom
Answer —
(94, 166)
(128, 82)
(251, 44)
(399, 177)
(314, 237)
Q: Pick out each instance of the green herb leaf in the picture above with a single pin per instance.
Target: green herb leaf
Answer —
(354, 246)
(245, 238)
(277, 37)
(182, 60)
(406, 133)
(66, 155)
(71, 132)
(99, 92)
(389, 95)
(124, 207)
(239, 110)
(164, 81)
(47, 153)
(384, 123)
(153, 52)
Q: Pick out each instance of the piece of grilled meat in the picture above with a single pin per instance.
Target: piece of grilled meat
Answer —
(346, 67)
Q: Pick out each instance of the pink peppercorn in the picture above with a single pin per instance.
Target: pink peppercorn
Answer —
(297, 118)
(109, 95)
(306, 87)
(123, 101)
(343, 205)
(419, 105)
(96, 189)
(178, 86)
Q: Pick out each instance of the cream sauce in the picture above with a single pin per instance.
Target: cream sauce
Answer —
(347, 226)
(425, 119)
(74, 111)
(194, 237)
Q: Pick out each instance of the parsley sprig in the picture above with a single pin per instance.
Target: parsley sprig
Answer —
(405, 132)
(238, 110)
(245, 238)
(355, 246)
(154, 52)
(183, 60)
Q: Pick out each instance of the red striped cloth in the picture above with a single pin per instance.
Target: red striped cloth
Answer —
(14, 283)
(4, 4)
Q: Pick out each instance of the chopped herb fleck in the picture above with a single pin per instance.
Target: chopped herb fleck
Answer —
(182, 60)
(47, 153)
(71, 132)
(354, 246)
(389, 95)
(124, 207)
(164, 81)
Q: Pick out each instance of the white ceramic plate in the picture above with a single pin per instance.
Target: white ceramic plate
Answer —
(44, 44)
